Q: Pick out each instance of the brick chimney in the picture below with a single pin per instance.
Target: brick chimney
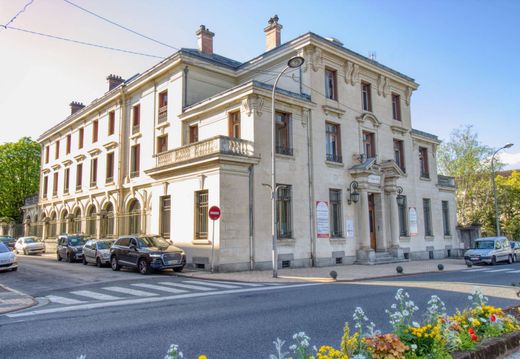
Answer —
(273, 34)
(75, 107)
(205, 40)
(114, 81)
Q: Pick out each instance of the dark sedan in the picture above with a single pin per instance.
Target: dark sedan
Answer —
(8, 241)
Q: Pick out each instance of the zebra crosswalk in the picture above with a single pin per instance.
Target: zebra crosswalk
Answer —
(509, 270)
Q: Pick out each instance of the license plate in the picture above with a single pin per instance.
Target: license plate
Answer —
(4, 261)
(173, 262)
(474, 258)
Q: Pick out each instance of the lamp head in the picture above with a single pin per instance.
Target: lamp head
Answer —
(508, 145)
(295, 62)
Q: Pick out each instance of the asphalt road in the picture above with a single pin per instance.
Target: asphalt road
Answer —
(222, 322)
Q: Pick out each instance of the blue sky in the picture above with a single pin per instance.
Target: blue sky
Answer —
(464, 54)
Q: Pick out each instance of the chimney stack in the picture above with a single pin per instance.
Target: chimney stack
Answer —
(205, 40)
(114, 81)
(75, 107)
(273, 35)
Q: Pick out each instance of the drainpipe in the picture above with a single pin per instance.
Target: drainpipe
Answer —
(122, 156)
(185, 87)
(251, 219)
(310, 169)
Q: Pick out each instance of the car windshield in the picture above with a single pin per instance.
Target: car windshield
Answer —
(3, 248)
(29, 240)
(104, 245)
(158, 242)
(484, 244)
(77, 241)
(6, 238)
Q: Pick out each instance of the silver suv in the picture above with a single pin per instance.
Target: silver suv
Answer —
(490, 250)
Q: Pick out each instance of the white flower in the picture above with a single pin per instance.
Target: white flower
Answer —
(414, 347)
(416, 325)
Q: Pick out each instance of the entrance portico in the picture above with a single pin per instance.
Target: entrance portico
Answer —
(377, 211)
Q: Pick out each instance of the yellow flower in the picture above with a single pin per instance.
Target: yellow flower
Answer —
(203, 356)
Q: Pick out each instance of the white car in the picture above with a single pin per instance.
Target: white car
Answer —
(7, 259)
(29, 245)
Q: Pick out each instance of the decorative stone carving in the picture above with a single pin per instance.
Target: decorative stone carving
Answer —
(355, 75)
(253, 103)
(383, 86)
(408, 95)
(351, 72)
(313, 58)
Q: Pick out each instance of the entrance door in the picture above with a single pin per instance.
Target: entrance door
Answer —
(372, 220)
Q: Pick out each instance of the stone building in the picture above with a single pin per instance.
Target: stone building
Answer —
(356, 182)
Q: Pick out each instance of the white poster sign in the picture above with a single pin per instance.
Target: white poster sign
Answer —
(412, 221)
(374, 179)
(322, 219)
(350, 228)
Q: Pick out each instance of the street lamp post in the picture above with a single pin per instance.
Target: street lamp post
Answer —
(497, 214)
(293, 63)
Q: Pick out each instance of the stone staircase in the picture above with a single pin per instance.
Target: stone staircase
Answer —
(380, 258)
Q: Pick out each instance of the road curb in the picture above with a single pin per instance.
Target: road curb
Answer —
(12, 300)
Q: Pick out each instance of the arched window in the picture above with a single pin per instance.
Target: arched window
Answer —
(76, 221)
(36, 227)
(52, 226)
(63, 222)
(134, 218)
(91, 221)
(107, 222)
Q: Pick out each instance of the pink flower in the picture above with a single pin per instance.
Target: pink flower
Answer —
(493, 318)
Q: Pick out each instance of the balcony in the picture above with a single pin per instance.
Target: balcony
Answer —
(163, 114)
(135, 129)
(284, 150)
(334, 157)
(215, 147)
(446, 181)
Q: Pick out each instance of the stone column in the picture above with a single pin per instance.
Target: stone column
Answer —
(394, 225)
(98, 225)
(365, 254)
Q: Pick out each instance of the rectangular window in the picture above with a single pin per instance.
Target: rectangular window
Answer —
(162, 144)
(446, 218)
(81, 132)
(47, 154)
(111, 122)
(163, 107)
(428, 232)
(403, 215)
(423, 161)
(201, 215)
(45, 185)
(399, 154)
(55, 184)
(66, 181)
(93, 172)
(95, 128)
(336, 217)
(79, 176)
(57, 150)
(283, 133)
(366, 96)
(284, 211)
(396, 107)
(194, 133)
(135, 161)
(333, 142)
(331, 86)
(234, 124)
(369, 144)
(67, 146)
(136, 119)
(165, 216)
(110, 167)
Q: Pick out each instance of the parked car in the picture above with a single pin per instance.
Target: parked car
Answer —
(97, 251)
(29, 245)
(7, 259)
(146, 253)
(8, 241)
(515, 247)
(70, 247)
(490, 250)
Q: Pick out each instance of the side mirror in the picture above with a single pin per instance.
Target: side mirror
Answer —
(133, 246)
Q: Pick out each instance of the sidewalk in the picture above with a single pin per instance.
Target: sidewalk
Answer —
(11, 300)
(322, 274)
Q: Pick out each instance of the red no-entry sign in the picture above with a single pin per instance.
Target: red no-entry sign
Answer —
(214, 213)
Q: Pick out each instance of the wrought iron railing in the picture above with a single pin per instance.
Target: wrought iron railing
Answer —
(163, 114)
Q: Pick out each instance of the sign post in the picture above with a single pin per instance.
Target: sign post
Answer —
(214, 214)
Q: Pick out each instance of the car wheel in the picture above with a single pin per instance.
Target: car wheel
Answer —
(25, 252)
(70, 258)
(113, 263)
(143, 267)
(514, 258)
(14, 269)
(84, 260)
(178, 269)
(510, 259)
(16, 251)
(98, 262)
(58, 257)
(493, 260)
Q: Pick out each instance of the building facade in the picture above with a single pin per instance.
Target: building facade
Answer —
(356, 183)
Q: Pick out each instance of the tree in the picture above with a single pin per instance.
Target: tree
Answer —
(508, 191)
(469, 161)
(19, 175)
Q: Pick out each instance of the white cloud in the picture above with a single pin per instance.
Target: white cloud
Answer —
(511, 160)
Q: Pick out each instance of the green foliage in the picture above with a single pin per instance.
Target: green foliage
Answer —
(19, 175)
(508, 191)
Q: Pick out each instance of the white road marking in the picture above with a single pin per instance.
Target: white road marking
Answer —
(87, 306)
(187, 286)
(159, 287)
(514, 271)
(95, 295)
(137, 293)
(239, 283)
(218, 285)
(475, 270)
(497, 270)
(63, 300)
